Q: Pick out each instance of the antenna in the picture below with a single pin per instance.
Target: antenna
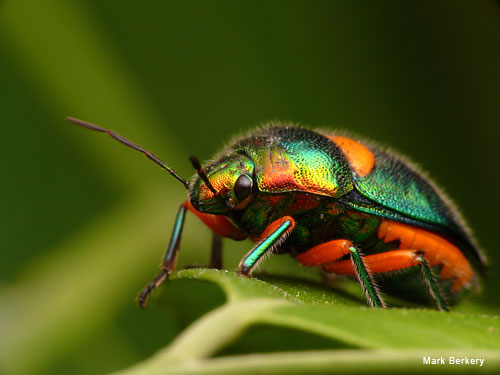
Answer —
(130, 144)
(196, 164)
(201, 172)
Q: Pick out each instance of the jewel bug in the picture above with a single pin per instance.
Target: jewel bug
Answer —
(331, 201)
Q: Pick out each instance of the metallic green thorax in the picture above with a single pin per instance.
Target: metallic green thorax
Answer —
(295, 159)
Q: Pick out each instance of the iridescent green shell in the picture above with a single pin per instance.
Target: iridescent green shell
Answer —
(395, 185)
(396, 190)
(294, 159)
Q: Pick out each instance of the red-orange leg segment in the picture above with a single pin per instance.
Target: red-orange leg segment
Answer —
(325, 253)
(377, 263)
(336, 249)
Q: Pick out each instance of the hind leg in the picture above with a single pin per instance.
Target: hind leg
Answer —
(392, 261)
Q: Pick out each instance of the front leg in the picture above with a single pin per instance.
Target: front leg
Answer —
(220, 226)
(273, 236)
(170, 260)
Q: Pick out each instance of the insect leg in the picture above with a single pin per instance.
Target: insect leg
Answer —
(430, 282)
(325, 253)
(273, 235)
(396, 260)
(328, 252)
(220, 226)
(216, 253)
(170, 260)
(365, 279)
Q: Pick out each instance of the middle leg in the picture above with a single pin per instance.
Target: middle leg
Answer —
(333, 250)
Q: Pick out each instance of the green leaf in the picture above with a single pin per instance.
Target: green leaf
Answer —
(393, 338)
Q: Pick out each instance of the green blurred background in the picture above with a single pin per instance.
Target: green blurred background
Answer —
(85, 221)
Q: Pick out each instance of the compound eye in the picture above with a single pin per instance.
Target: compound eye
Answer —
(243, 187)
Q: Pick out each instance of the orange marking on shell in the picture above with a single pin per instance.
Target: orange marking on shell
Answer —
(325, 253)
(359, 156)
(436, 250)
(278, 171)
